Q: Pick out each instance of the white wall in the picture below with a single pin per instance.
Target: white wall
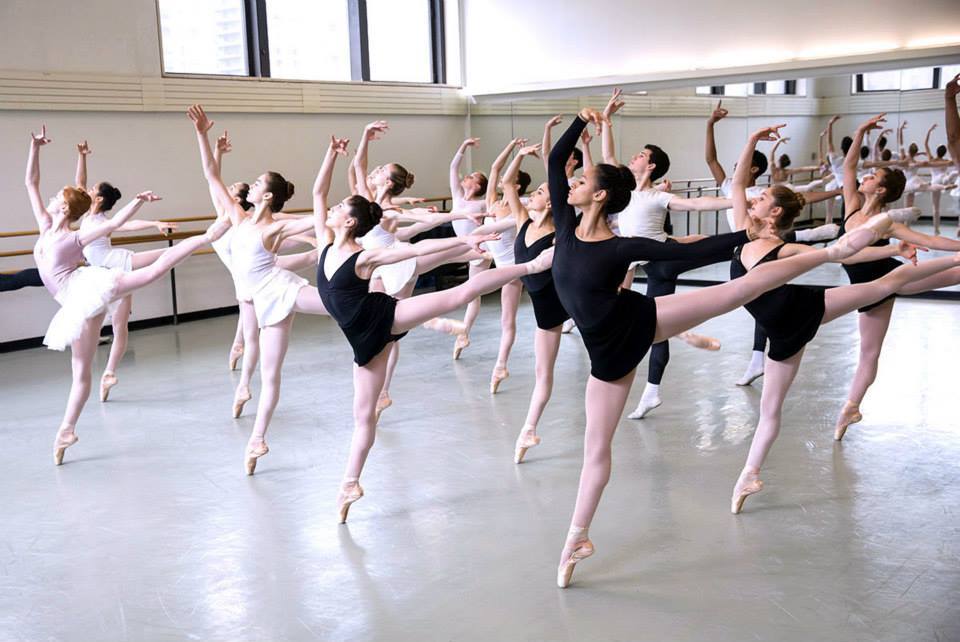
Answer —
(539, 41)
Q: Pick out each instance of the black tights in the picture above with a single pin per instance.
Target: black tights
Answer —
(22, 279)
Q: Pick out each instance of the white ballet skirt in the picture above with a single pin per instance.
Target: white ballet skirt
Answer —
(87, 292)
(395, 275)
(101, 252)
(272, 289)
(502, 249)
(222, 248)
(464, 227)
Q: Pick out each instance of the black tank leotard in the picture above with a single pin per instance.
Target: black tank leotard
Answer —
(365, 317)
(869, 270)
(790, 314)
(547, 308)
(617, 326)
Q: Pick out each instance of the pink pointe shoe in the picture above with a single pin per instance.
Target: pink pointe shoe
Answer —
(63, 441)
(107, 381)
(240, 398)
(350, 492)
(700, 341)
(383, 402)
(849, 415)
(499, 374)
(525, 441)
(581, 551)
(236, 353)
(255, 450)
(748, 484)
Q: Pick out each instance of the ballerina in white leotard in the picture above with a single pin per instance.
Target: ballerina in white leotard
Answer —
(100, 252)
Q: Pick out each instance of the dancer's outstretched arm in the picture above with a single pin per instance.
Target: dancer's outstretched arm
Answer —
(741, 175)
(211, 169)
(710, 152)
(852, 200)
(547, 144)
(772, 162)
(903, 150)
(420, 226)
(321, 189)
(699, 204)
(905, 233)
(32, 180)
(876, 145)
(564, 216)
(952, 118)
(510, 190)
(500, 225)
(111, 225)
(369, 260)
(497, 168)
(358, 168)
(585, 138)
(831, 150)
(607, 146)
(83, 150)
(455, 190)
(866, 255)
(926, 142)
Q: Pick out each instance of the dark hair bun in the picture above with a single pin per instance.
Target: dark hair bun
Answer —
(109, 194)
(376, 212)
(408, 181)
(627, 178)
(290, 190)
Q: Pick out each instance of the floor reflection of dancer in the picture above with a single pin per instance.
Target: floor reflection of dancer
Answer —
(372, 321)
(84, 293)
(101, 253)
(619, 326)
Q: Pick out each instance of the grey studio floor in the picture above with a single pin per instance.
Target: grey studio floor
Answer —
(151, 531)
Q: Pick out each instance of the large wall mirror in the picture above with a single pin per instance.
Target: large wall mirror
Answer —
(676, 120)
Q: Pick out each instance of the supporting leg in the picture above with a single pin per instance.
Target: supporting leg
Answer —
(546, 345)
(251, 355)
(81, 362)
(509, 303)
(118, 348)
(274, 340)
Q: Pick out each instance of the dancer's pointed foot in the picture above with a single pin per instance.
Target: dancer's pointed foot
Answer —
(462, 342)
(577, 548)
(499, 374)
(66, 437)
(570, 324)
(107, 381)
(700, 341)
(236, 353)
(240, 398)
(527, 439)
(383, 402)
(350, 492)
(849, 415)
(446, 326)
(255, 450)
(748, 484)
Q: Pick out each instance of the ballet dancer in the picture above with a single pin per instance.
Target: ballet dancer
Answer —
(277, 294)
(468, 194)
(940, 174)
(372, 321)
(84, 293)
(101, 253)
(29, 278)
(953, 128)
(863, 203)
(758, 164)
(792, 314)
(911, 164)
(781, 173)
(618, 326)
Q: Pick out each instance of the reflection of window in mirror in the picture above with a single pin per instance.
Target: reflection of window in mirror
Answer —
(770, 87)
(917, 78)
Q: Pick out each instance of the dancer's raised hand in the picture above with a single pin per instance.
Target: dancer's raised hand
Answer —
(530, 150)
(376, 129)
(339, 145)
(224, 146)
(768, 133)
(613, 105)
(148, 197)
(719, 113)
(200, 120)
(475, 240)
(40, 139)
(83, 149)
(876, 123)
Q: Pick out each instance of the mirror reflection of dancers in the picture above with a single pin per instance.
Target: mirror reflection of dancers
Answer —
(952, 119)
(372, 321)
(618, 326)
(791, 314)
(863, 202)
(85, 292)
(277, 293)
(101, 253)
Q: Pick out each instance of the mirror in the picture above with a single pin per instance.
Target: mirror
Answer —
(676, 119)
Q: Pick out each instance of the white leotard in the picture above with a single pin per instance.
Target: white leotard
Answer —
(256, 273)
(726, 188)
(395, 275)
(101, 252)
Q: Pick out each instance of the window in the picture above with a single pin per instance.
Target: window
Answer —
(359, 40)
(204, 37)
(901, 79)
(771, 87)
(947, 74)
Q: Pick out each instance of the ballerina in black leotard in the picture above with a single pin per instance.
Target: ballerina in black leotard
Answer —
(372, 321)
(618, 326)
(791, 314)
(861, 202)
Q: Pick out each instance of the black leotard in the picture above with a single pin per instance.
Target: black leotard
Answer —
(547, 308)
(869, 270)
(365, 317)
(617, 325)
(790, 314)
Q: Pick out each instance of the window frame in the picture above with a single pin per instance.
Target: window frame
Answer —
(258, 47)
(857, 85)
(755, 89)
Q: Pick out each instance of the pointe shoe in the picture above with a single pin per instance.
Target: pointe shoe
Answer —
(60, 445)
(570, 324)
(849, 415)
(346, 499)
(383, 402)
(239, 400)
(740, 493)
(236, 353)
(583, 550)
(107, 381)
(446, 326)
(525, 441)
(462, 342)
(499, 374)
(253, 454)
(644, 407)
(699, 341)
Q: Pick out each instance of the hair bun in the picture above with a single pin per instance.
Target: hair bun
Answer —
(289, 190)
(376, 212)
(801, 199)
(626, 178)
(408, 181)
